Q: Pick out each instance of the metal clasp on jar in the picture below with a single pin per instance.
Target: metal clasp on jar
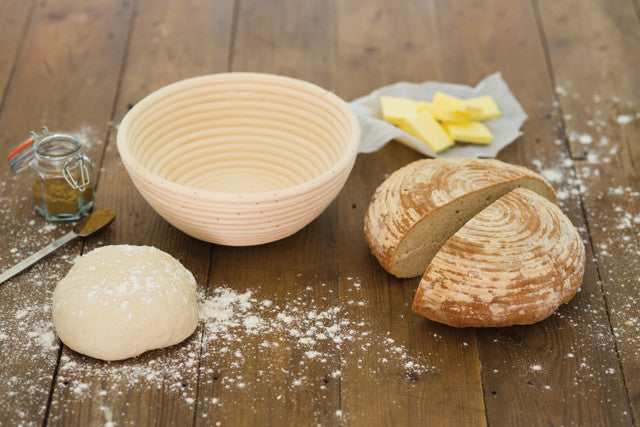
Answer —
(85, 175)
(60, 174)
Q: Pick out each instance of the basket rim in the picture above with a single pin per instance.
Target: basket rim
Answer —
(344, 162)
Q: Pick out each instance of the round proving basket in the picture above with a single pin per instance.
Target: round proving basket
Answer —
(239, 158)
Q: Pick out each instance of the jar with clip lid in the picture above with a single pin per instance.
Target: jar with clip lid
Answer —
(60, 175)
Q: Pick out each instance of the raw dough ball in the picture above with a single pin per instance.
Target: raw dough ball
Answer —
(119, 301)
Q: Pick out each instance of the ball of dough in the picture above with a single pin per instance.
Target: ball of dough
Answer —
(119, 301)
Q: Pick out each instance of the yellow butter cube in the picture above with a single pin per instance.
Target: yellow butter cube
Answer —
(444, 114)
(474, 132)
(448, 101)
(397, 110)
(488, 106)
(428, 130)
(421, 105)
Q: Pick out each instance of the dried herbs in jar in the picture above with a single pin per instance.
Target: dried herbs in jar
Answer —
(61, 176)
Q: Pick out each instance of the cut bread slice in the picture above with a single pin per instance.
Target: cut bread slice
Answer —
(514, 263)
(420, 206)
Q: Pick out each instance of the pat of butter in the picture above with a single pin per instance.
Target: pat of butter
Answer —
(428, 130)
(474, 132)
(448, 101)
(488, 106)
(444, 114)
(397, 110)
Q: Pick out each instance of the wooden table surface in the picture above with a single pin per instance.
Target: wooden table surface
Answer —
(315, 331)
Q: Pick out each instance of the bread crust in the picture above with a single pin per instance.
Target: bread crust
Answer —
(421, 188)
(514, 263)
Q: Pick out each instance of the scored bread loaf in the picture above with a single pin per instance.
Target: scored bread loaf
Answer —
(420, 206)
(514, 263)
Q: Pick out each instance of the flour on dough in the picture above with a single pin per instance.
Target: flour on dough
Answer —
(119, 301)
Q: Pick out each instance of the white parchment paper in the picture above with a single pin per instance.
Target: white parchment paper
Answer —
(376, 133)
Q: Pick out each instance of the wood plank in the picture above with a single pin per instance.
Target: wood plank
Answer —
(66, 45)
(608, 39)
(15, 16)
(443, 387)
(378, 44)
(468, 55)
(518, 364)
(170, 41)
(287, 38)
(279, 375)
(593, 50)
(563, 370)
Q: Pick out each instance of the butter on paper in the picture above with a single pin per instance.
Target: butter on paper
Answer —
(376, 133)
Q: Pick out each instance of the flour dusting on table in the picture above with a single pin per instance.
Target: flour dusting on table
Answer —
(303, 344)
(308, 344)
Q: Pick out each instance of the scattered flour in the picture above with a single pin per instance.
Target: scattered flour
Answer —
(88, 135)
(20, 314)
(585, 139)
(561, 90)
(300, 342)
(324, 340)
(624, 119)
(593, 158)
(552, 175)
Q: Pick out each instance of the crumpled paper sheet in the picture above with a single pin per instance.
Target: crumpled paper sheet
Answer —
(376, 133)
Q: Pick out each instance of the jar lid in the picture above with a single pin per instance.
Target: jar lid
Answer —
(43, 144)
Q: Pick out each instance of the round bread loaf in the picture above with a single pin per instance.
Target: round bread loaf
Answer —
(420, 206)
(514, 263)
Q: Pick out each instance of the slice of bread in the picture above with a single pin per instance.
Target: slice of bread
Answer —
(513, 263)
(420, 206)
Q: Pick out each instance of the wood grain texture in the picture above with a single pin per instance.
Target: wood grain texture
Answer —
(290, 38)
(377, 44)
(55, 83)
(276, 382)
(470, 55)
(15, 18)
(603, 38)
(285, 37)
(520, 364)
(79, 66)
(600, 103)
(445, 388)
(187, 39)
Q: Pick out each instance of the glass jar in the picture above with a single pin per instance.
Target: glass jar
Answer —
(60, 175)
